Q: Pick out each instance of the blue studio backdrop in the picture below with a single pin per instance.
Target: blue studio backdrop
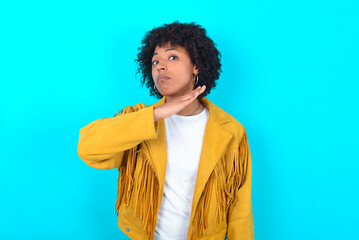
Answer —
(290, 67)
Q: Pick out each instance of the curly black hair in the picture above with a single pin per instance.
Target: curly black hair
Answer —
(193, 38)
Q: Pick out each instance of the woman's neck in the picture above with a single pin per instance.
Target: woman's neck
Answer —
(193, 108)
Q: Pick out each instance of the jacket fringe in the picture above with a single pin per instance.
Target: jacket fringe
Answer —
(226, 178)
(145, 191)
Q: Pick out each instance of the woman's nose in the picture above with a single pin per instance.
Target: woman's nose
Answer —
(160, 66)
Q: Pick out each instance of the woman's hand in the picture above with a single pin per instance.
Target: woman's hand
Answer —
(177, 104)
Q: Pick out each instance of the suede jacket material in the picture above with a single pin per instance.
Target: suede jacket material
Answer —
(132, 142)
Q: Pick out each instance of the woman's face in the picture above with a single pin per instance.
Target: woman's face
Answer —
(172, 70)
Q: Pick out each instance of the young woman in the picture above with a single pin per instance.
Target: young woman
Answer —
(184, 163)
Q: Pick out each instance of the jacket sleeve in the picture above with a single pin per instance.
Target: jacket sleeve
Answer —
(103, 142)
(240, 214)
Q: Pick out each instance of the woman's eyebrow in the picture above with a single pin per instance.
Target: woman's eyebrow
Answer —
(167, 50)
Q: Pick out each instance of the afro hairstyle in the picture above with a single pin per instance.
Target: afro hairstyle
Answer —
(193, 38)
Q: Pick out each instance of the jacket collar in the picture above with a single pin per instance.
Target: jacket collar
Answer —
(215, 141)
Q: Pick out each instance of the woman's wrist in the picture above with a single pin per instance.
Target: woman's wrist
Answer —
(156, 114)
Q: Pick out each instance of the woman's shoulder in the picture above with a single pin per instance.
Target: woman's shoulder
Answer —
(234, 125)
(226, 120)
(236, 128)
(138, 106)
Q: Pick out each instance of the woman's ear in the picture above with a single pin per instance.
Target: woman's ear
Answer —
(195, 69)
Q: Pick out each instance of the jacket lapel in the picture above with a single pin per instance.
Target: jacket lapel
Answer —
(215, 140)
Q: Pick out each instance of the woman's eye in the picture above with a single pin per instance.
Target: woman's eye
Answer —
(171, 57)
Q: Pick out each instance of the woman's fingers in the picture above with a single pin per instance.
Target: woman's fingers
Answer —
(187, 99)
(177, 104)
(203, 88)
(195, 92)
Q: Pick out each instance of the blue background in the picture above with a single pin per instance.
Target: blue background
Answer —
(290, 76)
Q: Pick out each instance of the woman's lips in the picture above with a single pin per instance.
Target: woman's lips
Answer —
(161, 79)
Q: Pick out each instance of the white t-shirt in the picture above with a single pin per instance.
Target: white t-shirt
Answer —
(184, 138)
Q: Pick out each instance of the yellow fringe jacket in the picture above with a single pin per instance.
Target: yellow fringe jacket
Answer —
(132, 142)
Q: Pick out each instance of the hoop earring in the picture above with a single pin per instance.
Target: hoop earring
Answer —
(196, 79)
(154, 86)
